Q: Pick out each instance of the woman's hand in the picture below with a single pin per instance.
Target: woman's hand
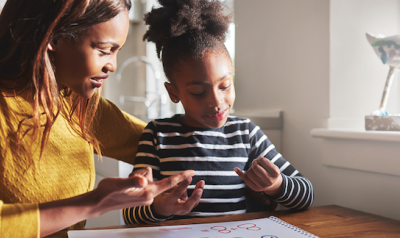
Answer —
(263, 176)
(175, 201)
(137, 190)
(110, 194)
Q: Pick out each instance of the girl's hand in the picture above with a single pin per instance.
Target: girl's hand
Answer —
(176, 201)
(263, 176)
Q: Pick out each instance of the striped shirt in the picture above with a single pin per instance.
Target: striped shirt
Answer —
(169, 147)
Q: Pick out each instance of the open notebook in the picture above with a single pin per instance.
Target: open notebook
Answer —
(271, 227)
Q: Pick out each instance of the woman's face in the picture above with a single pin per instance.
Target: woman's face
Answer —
(205, 88)
(83, 63)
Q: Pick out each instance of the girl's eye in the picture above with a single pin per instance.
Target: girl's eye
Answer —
(198, 94)
(226, 87)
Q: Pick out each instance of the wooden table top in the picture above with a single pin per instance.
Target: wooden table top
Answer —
(323, 221)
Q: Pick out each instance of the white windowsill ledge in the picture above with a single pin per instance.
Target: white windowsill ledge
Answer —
(360, 149)
(352, 134)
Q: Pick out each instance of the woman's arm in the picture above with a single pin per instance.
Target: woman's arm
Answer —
(111, 194)
(117, 131)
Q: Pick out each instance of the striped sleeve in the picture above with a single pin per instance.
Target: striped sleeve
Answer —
(297, 190)
(146, 157)
(141, 215)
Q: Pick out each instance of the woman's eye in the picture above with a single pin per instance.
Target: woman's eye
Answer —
(104, 52)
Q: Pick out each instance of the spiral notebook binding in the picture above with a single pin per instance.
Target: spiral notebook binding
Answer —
(292, 227)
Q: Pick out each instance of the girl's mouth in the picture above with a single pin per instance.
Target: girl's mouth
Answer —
(219, 116)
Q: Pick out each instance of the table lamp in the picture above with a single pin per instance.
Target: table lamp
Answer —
(388, 50)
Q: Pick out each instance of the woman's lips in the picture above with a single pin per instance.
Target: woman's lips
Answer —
(98, 81)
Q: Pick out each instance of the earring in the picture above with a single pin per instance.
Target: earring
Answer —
(176, 100)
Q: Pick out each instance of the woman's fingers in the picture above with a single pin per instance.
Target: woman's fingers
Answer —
(170, 182)
(146, 172)
(200, 185)
(136, 181)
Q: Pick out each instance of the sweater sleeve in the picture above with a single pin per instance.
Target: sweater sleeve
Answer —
(297, 190)
(19, 220)
(147, 156)
(117, 131)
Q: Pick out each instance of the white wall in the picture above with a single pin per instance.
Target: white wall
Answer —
(311, 59)
(357, 78)
(133, 82)
(356, 72)
(282, 62)
(2, 2)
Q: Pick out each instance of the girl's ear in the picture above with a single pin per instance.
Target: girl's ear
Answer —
(171, 92)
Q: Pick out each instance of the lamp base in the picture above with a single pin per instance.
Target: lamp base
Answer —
(382, 123)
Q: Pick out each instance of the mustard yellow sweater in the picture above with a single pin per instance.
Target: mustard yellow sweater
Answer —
(67, 169)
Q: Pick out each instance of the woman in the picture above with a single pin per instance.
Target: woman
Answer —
(54, 55)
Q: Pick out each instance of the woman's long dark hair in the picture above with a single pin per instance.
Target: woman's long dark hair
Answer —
(26, 29)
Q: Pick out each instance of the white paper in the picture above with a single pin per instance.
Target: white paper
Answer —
(257, 228)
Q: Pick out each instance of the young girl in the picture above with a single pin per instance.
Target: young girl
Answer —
(189, 36)
(53, 57)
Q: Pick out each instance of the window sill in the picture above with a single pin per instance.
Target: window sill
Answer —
(367, 151)
(392, 136)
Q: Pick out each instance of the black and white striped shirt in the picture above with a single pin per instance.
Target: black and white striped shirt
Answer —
(169, 147)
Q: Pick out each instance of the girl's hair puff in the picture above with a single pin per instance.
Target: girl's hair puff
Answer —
(186, 28)
(26, 29)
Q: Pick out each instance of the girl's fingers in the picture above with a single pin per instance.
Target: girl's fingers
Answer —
(191, 202)
(270, 167)
(180, 190)
(259, 172)
(259, 177)
(246, 179)
(199, 185)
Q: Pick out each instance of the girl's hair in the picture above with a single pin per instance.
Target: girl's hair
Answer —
(186, 28)
(26, 29)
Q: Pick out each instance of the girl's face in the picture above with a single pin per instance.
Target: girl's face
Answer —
(205, 88)
(83, 63)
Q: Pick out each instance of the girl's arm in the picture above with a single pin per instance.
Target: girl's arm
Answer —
(111, 194)
(270, 173)
(168, 203)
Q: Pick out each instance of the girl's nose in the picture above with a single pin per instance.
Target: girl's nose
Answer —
(216, 98)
